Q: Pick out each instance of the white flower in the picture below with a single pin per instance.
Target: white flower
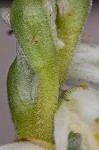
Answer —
(85, 64)
(79, 114)
(21, 146)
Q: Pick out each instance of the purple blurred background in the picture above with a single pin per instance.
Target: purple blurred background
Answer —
(7, 55)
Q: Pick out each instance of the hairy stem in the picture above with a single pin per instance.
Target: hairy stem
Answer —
(30, 23)
(70, 21)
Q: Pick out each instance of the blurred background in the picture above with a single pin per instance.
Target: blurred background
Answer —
(7, 55)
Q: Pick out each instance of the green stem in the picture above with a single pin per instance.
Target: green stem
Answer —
(36, 119)
(30, 23)
(70, 23)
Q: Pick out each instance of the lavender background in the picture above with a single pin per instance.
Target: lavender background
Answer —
(7, 55)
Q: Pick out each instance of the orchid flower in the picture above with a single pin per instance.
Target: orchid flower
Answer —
(47, 34)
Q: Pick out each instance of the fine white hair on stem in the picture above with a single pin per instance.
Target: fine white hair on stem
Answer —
(52, 13)
(85, 64)
(28, 79)
(5, 14)
(63, 6)
(61, 128)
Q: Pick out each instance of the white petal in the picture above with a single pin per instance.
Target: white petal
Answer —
(89, 57)
(61, 128)
(88, 53)
(87, 47)
(85, 64)
(21, 146)
(84, 71)
(89, 141)
(88, 104)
